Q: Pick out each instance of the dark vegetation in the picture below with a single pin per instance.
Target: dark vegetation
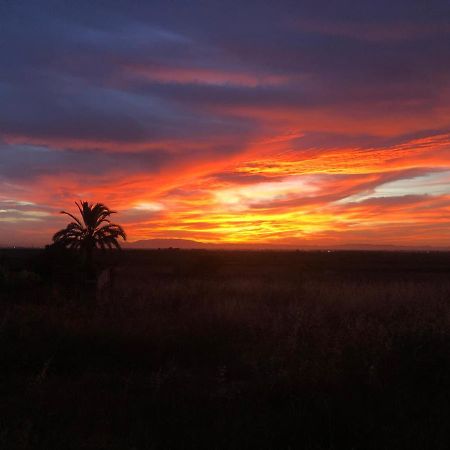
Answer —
(90, 231)
(226, 350)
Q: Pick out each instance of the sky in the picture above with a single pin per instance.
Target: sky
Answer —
(280, 122)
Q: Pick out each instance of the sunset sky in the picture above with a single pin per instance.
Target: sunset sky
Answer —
(283, 122)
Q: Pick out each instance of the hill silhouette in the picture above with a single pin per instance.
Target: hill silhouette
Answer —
(193, 244)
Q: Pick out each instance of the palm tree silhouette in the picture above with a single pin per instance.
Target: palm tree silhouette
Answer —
(93, 230)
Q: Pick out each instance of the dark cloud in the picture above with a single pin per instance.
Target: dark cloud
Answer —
(242, 177)
(30, 162)
(324, 140)
(65, 69)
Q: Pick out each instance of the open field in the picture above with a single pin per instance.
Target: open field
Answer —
(227, 350)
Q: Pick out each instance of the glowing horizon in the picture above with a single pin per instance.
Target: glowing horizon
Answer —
(322, 130)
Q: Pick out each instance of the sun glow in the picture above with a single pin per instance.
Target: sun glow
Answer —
(393, 194)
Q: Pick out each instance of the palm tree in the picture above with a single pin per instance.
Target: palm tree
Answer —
(93, 230)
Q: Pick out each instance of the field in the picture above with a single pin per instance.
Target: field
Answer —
(227, 350)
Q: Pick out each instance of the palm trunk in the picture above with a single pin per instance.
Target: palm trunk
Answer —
(89, 261)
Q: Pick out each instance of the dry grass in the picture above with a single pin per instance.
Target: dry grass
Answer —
(229, 361)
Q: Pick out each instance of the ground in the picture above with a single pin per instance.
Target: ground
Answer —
(227, 350)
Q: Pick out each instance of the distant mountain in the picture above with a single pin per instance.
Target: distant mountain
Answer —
(192, 244)
(167, 243)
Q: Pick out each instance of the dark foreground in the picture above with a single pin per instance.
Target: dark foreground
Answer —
(228, 350)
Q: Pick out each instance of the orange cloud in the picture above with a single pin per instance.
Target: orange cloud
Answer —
(324, 197)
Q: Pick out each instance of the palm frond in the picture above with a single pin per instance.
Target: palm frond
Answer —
(73, 217)
(94, 229)
(112, 229)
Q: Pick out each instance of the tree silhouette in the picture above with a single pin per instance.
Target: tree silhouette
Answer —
(93, 230)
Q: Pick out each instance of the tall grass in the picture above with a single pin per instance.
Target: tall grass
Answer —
(228, 361)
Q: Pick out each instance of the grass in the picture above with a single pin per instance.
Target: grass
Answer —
(232, 350)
